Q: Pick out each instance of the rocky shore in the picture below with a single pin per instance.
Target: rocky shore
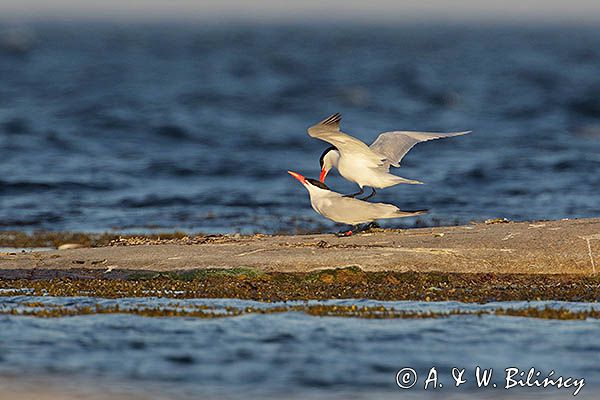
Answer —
(496, 247)
(492, 261)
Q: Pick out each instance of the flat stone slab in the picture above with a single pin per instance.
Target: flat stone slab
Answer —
(545, 247)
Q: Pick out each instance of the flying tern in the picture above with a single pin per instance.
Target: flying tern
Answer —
(347, 210)
(367, 165)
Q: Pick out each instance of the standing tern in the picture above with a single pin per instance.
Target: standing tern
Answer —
(367, 165)
(347, 210)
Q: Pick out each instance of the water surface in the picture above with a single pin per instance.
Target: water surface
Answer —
(271, 355)
(192, 127)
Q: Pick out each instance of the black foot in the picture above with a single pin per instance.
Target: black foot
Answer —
(353, 195)
(369, 226)
(373, 193)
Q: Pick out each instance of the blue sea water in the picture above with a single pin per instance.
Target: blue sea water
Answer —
(290, 354)
(192, 127)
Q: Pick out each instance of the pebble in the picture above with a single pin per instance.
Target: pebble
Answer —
(69, 246)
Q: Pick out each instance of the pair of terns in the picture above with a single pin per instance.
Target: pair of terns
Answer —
(363, 165)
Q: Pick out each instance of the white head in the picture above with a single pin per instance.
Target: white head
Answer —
(312, 185)
(328, 160)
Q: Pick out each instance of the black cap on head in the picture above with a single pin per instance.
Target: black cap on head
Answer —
(317, 183)
(327, 150)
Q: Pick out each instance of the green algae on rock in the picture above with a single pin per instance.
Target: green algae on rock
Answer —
(38, 309)
(251, 284)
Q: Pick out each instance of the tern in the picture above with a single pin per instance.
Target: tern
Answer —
(367, 165)
(347, 210)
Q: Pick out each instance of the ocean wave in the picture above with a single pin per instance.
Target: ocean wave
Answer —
(11, 187)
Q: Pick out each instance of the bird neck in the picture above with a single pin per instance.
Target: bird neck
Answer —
(317, 192)
(332, 158)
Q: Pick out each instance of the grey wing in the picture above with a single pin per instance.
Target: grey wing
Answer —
(354, 211)
(329, 125)
(328, 130)
(393, 146)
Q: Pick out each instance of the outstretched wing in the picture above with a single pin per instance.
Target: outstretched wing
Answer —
(328, 130)
(393, 146)
(328, 126)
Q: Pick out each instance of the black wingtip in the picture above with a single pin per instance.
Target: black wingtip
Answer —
(332, 120)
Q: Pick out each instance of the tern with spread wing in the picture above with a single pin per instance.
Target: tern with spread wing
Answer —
(367, 165)
(347, 210)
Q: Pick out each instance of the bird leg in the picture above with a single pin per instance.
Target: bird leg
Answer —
(365, 227)
(373, 193)
(357, 229)
(347, 233)
(355, 194)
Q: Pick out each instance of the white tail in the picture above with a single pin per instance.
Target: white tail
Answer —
(400, 179)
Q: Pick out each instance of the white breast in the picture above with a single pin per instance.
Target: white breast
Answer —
(364, 173)
(355, 169)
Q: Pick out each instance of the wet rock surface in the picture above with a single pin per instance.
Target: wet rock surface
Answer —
(495, 261)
